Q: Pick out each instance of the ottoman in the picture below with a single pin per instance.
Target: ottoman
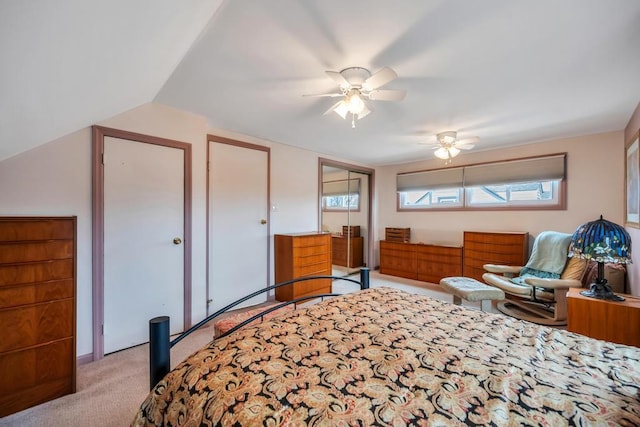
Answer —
(471, 290)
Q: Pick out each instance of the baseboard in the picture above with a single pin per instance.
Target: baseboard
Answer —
(84, 359)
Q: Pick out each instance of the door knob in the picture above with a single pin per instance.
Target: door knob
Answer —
(263, 221)
(177, 240)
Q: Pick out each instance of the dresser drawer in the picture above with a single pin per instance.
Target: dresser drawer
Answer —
(37, 324)
(13, 296)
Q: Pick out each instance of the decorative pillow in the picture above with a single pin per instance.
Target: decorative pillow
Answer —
(575, 269)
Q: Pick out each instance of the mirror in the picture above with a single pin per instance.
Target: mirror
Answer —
(345, 212)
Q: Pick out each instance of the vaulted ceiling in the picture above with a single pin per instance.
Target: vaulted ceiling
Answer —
(509, 72)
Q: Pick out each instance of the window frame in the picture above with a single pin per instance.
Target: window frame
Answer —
(560, 204)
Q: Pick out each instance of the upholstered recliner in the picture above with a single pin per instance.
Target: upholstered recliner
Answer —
(537, 292)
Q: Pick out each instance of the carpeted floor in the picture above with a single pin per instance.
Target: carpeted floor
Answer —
(109, 391)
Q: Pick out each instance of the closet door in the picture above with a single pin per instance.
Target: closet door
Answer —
(238, 222)
(345, 212)
(143, 240)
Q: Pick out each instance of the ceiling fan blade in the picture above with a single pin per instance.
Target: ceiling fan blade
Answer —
(330, 95)
(465, 146)
(338, 78)
(387, 95)
(380, 78)
(471, 140)
(333, 107)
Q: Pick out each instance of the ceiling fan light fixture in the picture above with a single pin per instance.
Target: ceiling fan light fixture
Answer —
(342, 109)
(354, 102)
(448, 137)
(442, 153)
(356, 84)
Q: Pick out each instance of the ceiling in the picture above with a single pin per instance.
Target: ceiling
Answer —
(509, 72)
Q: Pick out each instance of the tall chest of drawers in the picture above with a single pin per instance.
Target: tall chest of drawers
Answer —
(37, 310)
(300, 255)
(503, 248)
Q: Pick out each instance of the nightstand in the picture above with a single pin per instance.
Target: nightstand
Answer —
(605, 320)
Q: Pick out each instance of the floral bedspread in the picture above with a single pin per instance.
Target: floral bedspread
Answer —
(386, 357)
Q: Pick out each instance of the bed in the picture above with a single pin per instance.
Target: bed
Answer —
(387, 357)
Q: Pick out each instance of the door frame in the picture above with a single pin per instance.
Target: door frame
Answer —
(352, 168)
(98, 135)
(222, 140)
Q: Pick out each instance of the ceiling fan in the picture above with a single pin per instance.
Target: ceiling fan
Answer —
(449, 145)
(357, 84)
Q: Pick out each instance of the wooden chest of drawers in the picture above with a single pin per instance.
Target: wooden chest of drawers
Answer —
(398, 259)
(428, 263)
(435, 262)
(299, 255)
(37, 310)
(493, 248)
(341, 249)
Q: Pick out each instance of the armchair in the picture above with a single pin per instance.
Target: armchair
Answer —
(537, 292)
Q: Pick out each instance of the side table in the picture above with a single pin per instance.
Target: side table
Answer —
(615, 321)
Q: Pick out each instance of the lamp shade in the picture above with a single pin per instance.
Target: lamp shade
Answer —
(601, 241)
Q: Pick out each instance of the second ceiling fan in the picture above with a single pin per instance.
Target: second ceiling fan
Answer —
(449, 145)
(357, 84)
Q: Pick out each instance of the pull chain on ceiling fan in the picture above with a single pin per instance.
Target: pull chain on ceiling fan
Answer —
(357, 84)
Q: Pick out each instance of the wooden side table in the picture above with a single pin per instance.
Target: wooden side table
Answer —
(613, 321)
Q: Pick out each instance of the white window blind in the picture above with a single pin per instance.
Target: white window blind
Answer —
(547, 168)
(341, 187)
(428, 180)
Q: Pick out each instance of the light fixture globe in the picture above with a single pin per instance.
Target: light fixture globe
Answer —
(355, 102)
(442, 153)
(601, 241)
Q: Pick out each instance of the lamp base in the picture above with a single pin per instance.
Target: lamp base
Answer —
(601, 291)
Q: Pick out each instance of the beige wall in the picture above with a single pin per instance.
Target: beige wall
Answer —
(594, 186)
(633, 270)
(55, 179)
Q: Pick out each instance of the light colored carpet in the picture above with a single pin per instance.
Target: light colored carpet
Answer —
(109, 391)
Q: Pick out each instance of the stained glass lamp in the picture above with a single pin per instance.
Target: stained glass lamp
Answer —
(604, 242)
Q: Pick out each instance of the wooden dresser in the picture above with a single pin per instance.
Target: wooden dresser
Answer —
(398, 259)
(435, 262)
(37, 310)
(615, 321)
(340, 250)
(493, 248)
(428, 263)
(299, 255)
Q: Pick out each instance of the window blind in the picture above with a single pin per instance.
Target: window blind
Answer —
(340, 188)
(441, 178)
(538, 169)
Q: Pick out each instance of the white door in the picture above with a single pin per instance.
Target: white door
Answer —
(143, 214)
(238, 233)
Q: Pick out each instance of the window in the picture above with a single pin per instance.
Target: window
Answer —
(444, 197)
(341, 195)
(532, 183)
(341, 202)
(533, 193)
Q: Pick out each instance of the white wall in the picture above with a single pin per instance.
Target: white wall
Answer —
(55, 179)
(595, 183)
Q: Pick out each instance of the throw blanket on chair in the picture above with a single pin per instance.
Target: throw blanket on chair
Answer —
(548, 257)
